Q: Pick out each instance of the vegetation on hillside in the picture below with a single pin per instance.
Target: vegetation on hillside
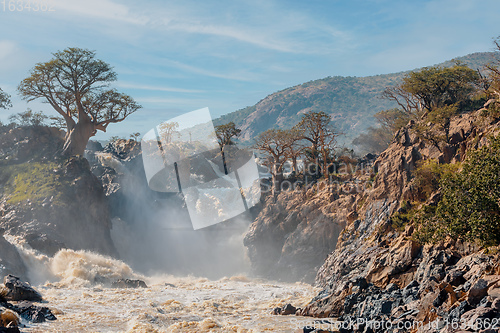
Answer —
(460, 200)
(469, 193)
(433, 93)
(33, 181)
(351, 102)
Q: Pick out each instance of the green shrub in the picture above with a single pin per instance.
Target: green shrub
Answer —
(470, 201)
(470, 206)
(428, 176)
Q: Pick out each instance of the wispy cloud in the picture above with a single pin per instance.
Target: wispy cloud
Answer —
(172, 101)
(237, 34)
(156, 88)
(240, 75)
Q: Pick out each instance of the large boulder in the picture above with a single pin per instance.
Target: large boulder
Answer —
(33, 313)
(9, 321)
(17, 290)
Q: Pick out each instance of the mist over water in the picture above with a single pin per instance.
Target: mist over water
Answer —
(162, 240)
(153, 233)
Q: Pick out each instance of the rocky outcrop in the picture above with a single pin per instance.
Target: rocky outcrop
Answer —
(292, 236)
(120, 168)
(379, 272)
(296, 230)
(48, 202)
(17, 290)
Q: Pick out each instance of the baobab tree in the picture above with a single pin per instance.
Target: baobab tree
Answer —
(167, 131)
(277, 145)
(316, 128)
(76, 85)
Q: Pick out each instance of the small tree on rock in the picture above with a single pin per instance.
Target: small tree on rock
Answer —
(225, 134)
(316, 128)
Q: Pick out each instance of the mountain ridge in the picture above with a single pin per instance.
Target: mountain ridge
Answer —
(351, 101)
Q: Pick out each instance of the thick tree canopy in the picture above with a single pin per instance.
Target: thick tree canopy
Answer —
(76, 85)
(470, 207)
(434, 87)
(4, 100)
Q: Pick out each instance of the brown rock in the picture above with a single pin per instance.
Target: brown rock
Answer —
(474, 316)
(352, 216)
(17, 290)
(288, 310)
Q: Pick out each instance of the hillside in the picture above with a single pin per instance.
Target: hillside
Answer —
(351, 102)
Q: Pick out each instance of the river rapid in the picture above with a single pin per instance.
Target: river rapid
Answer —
(76, 287)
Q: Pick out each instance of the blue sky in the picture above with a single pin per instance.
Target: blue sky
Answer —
(177, 56)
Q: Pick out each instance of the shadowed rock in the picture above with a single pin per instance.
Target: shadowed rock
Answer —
(17, 290)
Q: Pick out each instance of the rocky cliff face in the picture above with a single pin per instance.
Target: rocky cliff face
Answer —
(296, 230)
(10, 260)
(378, 272)
(292, 236)
(47, 202)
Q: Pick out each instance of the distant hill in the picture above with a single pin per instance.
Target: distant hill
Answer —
(351, 102)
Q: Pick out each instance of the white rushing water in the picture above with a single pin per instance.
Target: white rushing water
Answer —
(67, 282)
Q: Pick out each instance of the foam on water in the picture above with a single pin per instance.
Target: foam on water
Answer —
(192, 305)
(83, 267)
(77, 291)
(71, 268)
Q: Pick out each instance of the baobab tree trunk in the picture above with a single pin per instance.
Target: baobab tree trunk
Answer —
(78, 137)
(277, 178)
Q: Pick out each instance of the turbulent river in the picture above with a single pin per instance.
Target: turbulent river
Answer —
(67, 282)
